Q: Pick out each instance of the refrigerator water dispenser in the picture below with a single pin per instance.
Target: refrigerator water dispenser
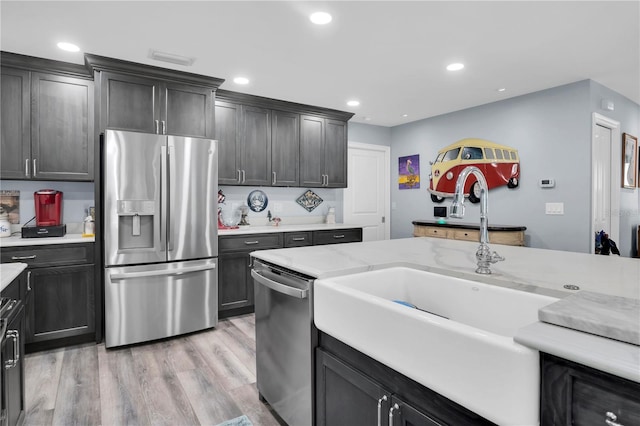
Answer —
(135, 224)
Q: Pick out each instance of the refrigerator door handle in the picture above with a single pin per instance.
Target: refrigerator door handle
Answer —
(163, 198)
(171, 189)
(143, 274)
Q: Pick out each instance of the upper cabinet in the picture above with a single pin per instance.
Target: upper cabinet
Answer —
(150, 99)
(267, 142)
(47, 120)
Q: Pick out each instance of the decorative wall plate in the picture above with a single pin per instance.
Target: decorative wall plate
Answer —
(309, 200)
(257, 200)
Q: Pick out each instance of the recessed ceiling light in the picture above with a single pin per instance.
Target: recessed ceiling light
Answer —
(455, 66)
(241, 80)
(353, 103)
(405, 115)
(320, 18)
(502, 89)
(69, 47)
(366, 118)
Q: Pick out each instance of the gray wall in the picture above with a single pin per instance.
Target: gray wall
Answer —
(552, 131)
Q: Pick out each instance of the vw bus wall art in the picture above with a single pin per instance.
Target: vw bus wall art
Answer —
(500, 165)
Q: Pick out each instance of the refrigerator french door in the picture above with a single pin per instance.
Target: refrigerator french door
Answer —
(160, 235)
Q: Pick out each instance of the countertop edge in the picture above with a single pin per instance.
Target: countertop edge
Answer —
(9, 272)
(18, 241)
(243, 230)
(611, 356)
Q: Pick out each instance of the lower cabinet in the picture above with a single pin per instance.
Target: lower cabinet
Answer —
(60, 304)
(354, 389)
(573, 394)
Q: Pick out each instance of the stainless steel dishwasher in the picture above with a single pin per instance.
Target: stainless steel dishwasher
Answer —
(285, 338)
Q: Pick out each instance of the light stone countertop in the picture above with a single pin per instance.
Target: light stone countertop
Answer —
(18, 241)
(527, 269)
(8, 272)
(263, 229)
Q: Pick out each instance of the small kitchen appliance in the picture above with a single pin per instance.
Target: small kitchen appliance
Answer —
(48, 207)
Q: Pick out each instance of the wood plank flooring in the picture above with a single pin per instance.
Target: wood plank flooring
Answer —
(202, 378)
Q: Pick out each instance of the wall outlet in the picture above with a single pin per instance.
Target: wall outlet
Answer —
(554, 208)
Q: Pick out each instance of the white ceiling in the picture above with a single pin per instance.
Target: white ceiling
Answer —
(389, 55)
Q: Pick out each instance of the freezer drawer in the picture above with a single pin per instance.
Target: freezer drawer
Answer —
(151, 302)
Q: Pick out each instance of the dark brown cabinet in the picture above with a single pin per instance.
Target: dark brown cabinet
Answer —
(337, 236)
(61, 307)
(285, 148)
(323, 152)
(12, 374)
(352, 388)
(573, 394)
(150, 99)
(47, 120)
(227, 134)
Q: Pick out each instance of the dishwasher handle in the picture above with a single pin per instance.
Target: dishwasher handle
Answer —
(279, 287)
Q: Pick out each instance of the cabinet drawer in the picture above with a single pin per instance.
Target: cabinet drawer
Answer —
(49, 255)
(466, 235)
(430, 231)
(250, 242)
(337, 236)
(297, 239)
(593, 405)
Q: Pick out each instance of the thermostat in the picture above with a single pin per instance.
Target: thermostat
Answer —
(547, 183)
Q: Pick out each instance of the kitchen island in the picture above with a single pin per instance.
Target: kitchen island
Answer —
(547, 272)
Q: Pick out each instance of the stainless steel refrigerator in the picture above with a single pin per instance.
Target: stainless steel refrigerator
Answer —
(159, 199)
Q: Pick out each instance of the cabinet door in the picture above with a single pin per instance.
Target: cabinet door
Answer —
(62, 127)
(345, 396)
(285, 148)
(189, 111)
(335, 153)
(62, 303)
(255, 146)
(403, 414)
(14, 377)
(311, 151)
(15, 107)
(227, 133)
(235, 286)
(130, 103)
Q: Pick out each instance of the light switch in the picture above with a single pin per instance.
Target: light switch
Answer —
(554, 208)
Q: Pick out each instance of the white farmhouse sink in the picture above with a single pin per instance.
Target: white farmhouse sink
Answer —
(464, 350)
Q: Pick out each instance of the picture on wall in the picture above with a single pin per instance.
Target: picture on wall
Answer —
(409, 172)
(10, 203)
(629, 161)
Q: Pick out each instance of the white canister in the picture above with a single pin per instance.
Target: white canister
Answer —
(331, 215)
(5, 226)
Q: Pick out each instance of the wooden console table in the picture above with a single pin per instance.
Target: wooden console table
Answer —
(498, 234)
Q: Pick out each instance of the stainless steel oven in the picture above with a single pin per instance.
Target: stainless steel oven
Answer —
(285, 338)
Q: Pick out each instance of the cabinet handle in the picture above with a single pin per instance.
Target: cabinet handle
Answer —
(298, 239)
(239, 175)
(338, 236)
(380, 402)
(15, 335)
(34, 167)
(28, 280)
(395, 407)
(243, 176)
(164, 127)
(273, 181)
(157, 126)
(251, 243)
(327, 180)
(26, 167)
(33, 256)
(611, 419)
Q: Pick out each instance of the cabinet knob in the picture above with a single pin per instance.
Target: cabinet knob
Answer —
(611, 419)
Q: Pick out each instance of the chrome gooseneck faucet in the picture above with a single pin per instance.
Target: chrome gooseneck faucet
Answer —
(483, 254)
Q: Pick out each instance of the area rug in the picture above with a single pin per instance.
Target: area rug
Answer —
(238, 421)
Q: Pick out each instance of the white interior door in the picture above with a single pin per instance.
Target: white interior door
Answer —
(366, 199)
(605, 177)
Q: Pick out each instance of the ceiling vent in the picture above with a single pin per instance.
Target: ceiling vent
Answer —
(170, 57)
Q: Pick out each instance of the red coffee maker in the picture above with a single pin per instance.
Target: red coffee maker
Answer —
(48, 207)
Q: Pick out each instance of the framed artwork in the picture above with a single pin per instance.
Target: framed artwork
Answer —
(629, 161)
(409, 172)
(10, 204)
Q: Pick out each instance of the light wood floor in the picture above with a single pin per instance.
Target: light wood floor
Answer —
(203, 378)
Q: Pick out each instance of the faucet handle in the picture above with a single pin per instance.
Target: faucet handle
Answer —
(495, 257)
